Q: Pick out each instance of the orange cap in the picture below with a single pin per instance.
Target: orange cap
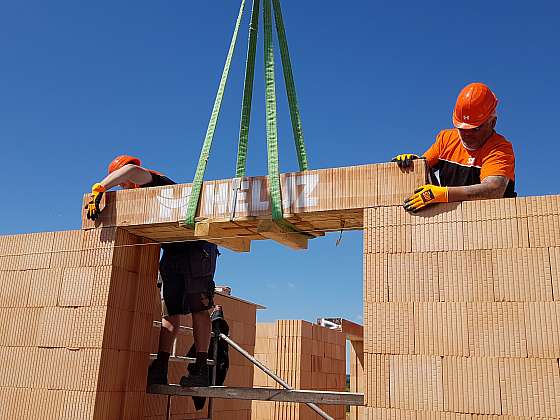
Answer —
(122, 160)
(475, 104)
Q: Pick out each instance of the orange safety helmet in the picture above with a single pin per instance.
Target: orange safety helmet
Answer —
(122, 160)
(475, 104)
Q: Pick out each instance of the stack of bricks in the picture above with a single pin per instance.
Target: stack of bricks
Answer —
(73, 341)
(241, 318)
(306, 356)
(462, 311)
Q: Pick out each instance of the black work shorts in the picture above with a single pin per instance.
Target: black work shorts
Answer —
(187, 278)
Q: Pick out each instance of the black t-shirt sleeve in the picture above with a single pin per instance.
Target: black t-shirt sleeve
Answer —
(159, 180)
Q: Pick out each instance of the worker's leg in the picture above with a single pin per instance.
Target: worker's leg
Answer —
(202, 326)
(168, 332)
(201, 330)
(172, 291)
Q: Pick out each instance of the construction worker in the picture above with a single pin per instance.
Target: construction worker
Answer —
(187, 274)
(474, 162)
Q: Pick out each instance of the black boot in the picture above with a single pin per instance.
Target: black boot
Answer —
(157, 371)
(196, 377)
(198, 372)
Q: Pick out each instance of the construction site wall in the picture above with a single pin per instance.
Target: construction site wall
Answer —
(76, 328)
(307, 356)
(462, 311)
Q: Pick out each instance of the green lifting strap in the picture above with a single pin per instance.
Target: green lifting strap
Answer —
(290, 87)
(241, 167)
(194, 198)
(271, 128)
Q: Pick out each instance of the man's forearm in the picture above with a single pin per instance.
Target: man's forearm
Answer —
(491, 187)
(126, 173)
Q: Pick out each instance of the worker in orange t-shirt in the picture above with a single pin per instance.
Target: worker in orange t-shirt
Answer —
(474, 162)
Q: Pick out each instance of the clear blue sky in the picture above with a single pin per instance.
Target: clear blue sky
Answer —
(81, 82)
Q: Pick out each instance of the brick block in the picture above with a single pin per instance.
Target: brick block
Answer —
(377, 380)
(465, 276)
(502, 208)
(492, 234)
(438, 237)
(530, 387)
(394, 185)
(512, 269)
(19, 327)
(371, 413)
(89, 327)
(78, 405)
(77, 286)
(97, 247)
(441, 329)
(413, 277)
(416, 383)
(66, 249)
(544, 230)
(390, 328)
(45, 287)
(56, 327)
(555, 271)
(14, 287)
(471, 385)
(497, 330)
(376, 285)
(543, 329)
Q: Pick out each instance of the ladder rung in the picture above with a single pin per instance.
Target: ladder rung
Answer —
(262, 394)
(182, 359)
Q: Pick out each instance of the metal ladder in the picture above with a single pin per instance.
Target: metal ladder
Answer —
(308, 397)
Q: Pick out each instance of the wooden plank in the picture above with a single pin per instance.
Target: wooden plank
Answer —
(271, 230)
(261, 394)
(236, 244)
(228, 238)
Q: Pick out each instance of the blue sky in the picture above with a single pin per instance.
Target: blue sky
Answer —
(81, 82)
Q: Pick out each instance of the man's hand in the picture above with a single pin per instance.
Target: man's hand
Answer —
(405, 160)
(92, 206)
(424, 196)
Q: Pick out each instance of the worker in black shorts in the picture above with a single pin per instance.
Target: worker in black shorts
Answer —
(187, 273)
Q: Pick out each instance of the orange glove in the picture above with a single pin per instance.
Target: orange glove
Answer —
(92, 206)
(424, 196)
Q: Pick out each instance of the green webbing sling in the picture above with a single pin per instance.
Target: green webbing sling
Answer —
(271, 125)
(201, 168)
(290, 87)
(271, 128)
(241, 167)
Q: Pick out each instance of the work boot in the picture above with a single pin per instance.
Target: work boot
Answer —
(157, 373)
(198, 376)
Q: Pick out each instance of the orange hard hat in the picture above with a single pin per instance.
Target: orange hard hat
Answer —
(122, 160)
(475, 104)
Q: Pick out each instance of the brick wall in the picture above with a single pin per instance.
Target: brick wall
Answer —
(462, 310)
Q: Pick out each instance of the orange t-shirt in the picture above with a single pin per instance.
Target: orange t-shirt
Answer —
(459, 167)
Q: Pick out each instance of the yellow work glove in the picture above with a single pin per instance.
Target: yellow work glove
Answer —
(92, 207)
(405, 160)
(424, 196)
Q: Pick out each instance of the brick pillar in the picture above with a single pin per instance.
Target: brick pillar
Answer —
(307, 356)
(75, 322)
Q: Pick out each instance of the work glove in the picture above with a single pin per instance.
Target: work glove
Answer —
(424, 196)
(92, 207)
(405, 160)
